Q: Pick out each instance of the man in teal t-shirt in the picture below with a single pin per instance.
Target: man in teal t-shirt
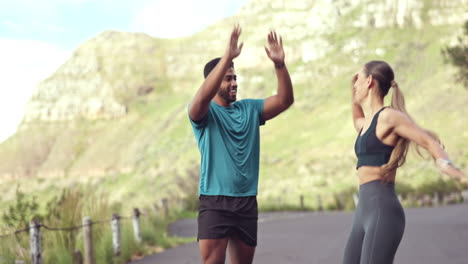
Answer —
(227, 133)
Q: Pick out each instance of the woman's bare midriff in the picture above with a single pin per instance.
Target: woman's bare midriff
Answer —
(370, 173)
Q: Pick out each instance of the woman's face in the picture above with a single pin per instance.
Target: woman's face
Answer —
(360, 86)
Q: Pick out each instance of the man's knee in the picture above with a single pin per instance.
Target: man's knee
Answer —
(213, 259)
(213, 251)
(240, 252)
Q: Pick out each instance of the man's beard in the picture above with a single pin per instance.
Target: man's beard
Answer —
(225, 94)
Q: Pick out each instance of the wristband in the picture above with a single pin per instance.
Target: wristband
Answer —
(279, 65)
(443, 163)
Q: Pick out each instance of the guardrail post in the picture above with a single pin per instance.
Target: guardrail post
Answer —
(136, 225)
(35, 242)
(116, 234)
(88, 240)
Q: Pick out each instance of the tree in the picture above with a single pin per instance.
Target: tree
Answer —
(22, 211)
(458, 56)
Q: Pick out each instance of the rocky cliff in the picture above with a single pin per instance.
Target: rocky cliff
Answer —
(108, 71)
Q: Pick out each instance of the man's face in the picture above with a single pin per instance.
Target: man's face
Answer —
(228, 88)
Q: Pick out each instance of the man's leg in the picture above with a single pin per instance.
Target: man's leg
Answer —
(213, 251)
(239, 252)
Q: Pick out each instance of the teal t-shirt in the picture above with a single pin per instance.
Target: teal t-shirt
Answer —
(229, 142)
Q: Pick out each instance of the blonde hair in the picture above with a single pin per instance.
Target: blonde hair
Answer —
(398, 157)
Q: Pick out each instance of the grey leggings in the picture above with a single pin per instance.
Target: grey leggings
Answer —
(378, 225)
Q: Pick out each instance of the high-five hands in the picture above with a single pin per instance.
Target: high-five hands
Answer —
(275, 49)
(233, 49)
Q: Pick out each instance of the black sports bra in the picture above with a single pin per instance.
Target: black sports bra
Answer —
(370, 151)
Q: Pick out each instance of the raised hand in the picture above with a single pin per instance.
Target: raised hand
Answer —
(233, 50)
(275, 48)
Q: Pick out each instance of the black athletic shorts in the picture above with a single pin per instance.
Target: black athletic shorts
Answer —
(226, 216)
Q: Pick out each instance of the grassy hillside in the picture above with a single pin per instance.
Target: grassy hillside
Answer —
(150, 153)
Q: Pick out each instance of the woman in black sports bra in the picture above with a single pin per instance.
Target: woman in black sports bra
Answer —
(384, 134)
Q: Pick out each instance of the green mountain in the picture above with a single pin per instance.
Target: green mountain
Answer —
(114, 115)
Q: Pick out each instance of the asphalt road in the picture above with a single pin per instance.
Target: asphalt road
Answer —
(432, 236)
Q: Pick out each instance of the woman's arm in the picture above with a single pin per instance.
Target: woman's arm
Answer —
(404, 127)
(358, 114)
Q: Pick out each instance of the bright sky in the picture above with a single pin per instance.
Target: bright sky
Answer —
(37, 36)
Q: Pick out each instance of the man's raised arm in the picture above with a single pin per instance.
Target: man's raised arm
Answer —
(284, 97)
(201, 101)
